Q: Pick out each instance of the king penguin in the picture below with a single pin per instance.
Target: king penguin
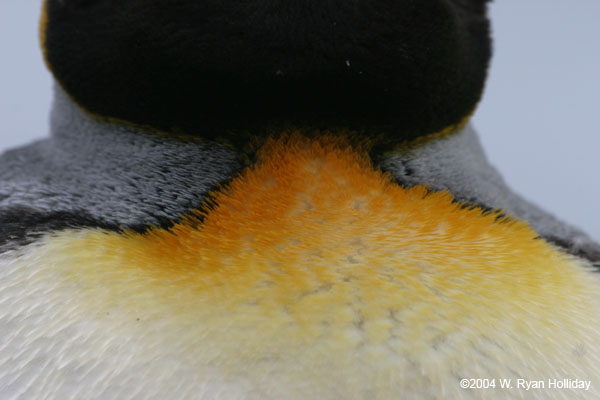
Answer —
(280, 200)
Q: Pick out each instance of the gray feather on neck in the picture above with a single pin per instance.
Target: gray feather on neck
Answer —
(117, 174)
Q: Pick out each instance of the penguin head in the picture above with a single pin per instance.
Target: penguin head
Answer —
(204, 67)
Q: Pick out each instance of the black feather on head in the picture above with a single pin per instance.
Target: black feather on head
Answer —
(204, 67)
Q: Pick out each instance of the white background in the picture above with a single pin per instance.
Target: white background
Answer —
(538, 120)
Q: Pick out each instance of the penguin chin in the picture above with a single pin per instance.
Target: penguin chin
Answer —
(412, 68)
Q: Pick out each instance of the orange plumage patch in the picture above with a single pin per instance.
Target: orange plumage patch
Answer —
(313, 266)
(314, 214)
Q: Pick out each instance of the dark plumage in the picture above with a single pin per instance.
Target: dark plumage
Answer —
(213, 67)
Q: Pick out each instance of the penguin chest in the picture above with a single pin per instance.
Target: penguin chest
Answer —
(311, 275)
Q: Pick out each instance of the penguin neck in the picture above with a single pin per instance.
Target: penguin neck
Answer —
(455, 162)
(122, 175)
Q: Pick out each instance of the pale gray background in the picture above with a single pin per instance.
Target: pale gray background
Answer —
(538, 119)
